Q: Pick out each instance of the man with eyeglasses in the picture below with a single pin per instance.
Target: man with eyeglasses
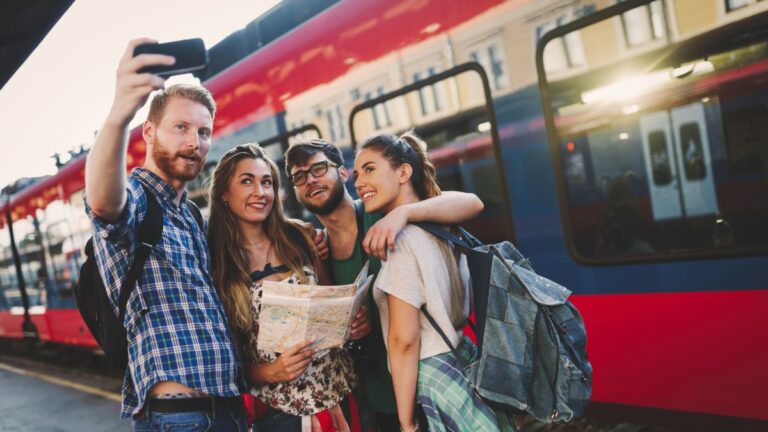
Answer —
(316, 170)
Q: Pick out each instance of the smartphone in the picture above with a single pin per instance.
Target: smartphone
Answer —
(190, 56)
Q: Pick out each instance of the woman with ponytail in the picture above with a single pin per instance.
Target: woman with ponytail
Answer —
(251, 241)
(422, 270)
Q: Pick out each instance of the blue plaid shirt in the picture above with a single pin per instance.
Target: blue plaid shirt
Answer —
(177, 328)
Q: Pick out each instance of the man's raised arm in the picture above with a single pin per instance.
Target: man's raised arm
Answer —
(450, 207)
(105, 176)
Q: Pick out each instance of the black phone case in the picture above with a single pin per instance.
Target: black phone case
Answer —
(190, 55)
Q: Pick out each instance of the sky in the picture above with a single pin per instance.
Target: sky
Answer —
(61, 95)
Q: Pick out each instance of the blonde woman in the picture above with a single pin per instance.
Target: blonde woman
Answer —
(252, 241)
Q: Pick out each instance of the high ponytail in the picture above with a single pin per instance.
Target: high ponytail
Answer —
(428, 186)
(410, 149)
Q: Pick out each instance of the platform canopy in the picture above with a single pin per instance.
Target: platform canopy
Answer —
(23, 25)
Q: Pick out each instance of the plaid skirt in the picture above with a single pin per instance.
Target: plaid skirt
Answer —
(447, 397)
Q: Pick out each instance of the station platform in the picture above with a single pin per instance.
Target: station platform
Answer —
(36, 400)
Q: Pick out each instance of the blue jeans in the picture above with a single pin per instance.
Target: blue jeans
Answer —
(223, 419)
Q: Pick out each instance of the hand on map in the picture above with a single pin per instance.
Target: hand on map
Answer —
(361, 325)
(293, 362)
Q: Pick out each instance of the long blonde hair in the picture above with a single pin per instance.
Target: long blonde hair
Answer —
(291, 239)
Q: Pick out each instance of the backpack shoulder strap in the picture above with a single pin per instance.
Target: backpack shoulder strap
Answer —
(150, 231)
(437, 328)
(438, 231)
(359, 215)
(197, 214)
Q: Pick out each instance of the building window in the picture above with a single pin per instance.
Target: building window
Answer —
(335, 120)
(643, 24)
(491, 57)
(732, 5)
(431, 98)
(562, 53)
(380, 112)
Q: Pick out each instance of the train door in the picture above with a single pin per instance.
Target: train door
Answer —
(694, 162)
(678, 163)
(659, 155)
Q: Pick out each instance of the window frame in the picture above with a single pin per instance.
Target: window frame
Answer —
(490, 110)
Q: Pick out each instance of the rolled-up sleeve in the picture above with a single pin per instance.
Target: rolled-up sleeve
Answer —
(123, 230)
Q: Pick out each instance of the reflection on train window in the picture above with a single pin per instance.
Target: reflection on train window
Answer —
(732, 5)
(562, 53)
(692, 152)
(662, 173)
(663, 156)
(746, 133)
(643, 24)
(490, 54)
(380, 113)
(431, 97)
(622, 204)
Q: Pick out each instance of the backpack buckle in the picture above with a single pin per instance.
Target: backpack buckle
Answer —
(146, 247)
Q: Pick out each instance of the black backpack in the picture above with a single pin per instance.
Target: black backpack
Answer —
(91, 293)
(531, 340)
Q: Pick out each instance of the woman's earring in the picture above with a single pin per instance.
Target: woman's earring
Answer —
(226, 204)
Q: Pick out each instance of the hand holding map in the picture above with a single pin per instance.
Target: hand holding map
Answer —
(292, 312)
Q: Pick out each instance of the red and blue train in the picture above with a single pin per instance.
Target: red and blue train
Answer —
(623, 146)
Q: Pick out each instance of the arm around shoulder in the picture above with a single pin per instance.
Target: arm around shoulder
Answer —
(450, 207)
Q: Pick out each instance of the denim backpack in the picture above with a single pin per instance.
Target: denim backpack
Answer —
(532, 354)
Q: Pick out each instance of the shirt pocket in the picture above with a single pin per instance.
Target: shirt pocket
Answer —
(135, 310)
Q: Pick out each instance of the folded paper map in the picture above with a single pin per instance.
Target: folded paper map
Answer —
(291, 313)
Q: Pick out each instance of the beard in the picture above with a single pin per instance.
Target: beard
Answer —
(167, 162)
(337, 194)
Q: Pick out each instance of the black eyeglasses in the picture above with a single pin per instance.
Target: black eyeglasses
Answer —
(319, 169)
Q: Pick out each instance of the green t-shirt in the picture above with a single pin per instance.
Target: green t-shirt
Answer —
(374, 373)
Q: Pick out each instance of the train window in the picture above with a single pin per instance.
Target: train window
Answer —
(462, 140)
(33, 269)
(63, 248)
(661, 154)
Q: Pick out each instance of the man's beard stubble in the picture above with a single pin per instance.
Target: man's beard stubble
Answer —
(165, 161)
(337, 194)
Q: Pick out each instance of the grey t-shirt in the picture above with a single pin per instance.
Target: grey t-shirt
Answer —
(423, 270)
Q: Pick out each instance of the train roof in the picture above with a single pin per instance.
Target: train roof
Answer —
(349, 33)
